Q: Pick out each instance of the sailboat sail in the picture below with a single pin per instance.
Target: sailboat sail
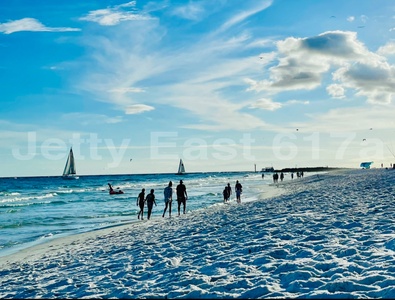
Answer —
(69, 169)
(181, 168)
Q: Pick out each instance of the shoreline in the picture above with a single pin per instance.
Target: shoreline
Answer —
(267, 191)
(55, 244)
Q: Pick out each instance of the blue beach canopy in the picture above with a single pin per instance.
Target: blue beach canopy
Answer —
(366, 165)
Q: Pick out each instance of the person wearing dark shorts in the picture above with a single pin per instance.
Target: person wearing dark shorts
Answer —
(228, 191)
(239, 190)
(168, 193)
(140, 202)
(181, 196)
(225, 193)
(150, 203)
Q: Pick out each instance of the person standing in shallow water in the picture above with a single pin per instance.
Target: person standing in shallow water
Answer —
(168, 193)
(239, 190)
(181, 196)
(150, 199)
(140, 202)
(228, 191)
(225, 193)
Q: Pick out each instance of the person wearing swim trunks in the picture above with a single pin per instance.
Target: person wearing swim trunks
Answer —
(181, 196)
(225, 193)
(150, 203)
(229, 192)
(168, 193)
(238, 189)
(140, 202)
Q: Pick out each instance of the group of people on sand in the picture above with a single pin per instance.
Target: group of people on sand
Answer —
(281, 176)
(182, 196)
(141, 200)
(228, 191)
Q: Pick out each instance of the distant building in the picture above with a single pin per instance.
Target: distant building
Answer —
(268, 169)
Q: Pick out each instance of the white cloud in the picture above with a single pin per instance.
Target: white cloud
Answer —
(191, 11)
(114, 15)
(364, 18)
(266, 104)
(351, 19)
(190, 77)
(292, 102)
(335, 44)
(374, 80)
(336, 91)
(261, 43)
(245, 14)
(124, 90)
(302, 62)
(387, 49)
(137, 109)
(30, 24)
(127, 4)
(377, 97)
(197, 77)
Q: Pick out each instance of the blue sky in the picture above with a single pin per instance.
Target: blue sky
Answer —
(224, 85)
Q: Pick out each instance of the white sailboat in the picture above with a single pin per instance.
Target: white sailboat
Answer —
(69, 171)
(181, 168)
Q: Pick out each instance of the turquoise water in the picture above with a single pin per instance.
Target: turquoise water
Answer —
(36, 209)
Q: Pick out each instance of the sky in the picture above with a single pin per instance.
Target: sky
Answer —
(225, 85)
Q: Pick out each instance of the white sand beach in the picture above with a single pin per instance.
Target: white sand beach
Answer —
(324, 236)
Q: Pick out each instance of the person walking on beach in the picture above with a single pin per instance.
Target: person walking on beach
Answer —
(181, 196)
(282, 176)
(275, 177)
(150, 203)
(168, 193)
(239, 190)
(228, 192)
(225, 194)
(140, 202)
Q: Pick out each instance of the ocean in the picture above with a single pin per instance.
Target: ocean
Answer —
(34, 210)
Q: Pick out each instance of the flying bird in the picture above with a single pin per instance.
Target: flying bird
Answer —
(364, 140)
